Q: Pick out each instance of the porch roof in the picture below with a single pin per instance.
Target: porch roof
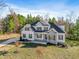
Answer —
(59, 30)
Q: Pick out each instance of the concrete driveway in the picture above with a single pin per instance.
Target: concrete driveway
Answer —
(8, 41)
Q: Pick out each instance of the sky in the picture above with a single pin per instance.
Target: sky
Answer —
(52, 8)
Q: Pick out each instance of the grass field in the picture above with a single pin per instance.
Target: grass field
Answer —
(72, 42)
(33, 51)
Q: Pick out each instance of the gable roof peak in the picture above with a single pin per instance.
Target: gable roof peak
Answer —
(44, 22)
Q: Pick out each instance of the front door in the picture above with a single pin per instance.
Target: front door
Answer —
(51, 37)
(45, 36)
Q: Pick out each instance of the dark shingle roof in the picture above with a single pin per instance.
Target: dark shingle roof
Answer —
(34, 23)
(42, 22)
(51, 26)
(57, 28)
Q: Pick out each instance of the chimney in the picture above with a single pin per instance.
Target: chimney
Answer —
(62, 27)
(61, 23)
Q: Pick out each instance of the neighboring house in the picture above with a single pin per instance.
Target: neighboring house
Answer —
(43, 32)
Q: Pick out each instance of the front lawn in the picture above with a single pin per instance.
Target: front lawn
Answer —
(32, 51)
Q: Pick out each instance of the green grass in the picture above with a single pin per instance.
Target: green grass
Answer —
(32, 51)
(72, 42)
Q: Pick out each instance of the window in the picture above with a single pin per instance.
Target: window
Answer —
(39, 28)
(45, 28)
(26, 29)
(39, 35)
(54, 37)
(24, 35)
(45, 36)
(30, 35)
(60, 37)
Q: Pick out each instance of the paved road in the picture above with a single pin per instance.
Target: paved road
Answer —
(8, 41)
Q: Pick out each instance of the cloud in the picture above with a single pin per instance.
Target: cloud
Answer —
(53, 10)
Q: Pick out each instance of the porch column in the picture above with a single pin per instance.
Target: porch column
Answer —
(57, 37)
(43, 36)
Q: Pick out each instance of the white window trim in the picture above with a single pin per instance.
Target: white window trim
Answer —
(61, 37)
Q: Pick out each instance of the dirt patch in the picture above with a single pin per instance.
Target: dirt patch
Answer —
(40, 50)
(7, 36)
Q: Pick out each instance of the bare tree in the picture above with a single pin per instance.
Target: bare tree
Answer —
(70, 19)
(2, 4)
(46, 17)
(13, 14)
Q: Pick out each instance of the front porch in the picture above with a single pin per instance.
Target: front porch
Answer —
(39, 41)
(50, 36)
(45, 37)
(44, 41)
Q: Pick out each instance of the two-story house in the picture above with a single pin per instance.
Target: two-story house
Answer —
(43, 32)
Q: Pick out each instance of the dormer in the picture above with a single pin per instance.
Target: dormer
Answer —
(42, 25)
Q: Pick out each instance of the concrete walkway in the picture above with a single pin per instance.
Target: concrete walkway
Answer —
(8, 41)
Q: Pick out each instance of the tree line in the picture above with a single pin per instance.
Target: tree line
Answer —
(7, 24)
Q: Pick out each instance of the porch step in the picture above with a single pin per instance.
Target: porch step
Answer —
(52, 42)
(39, 42)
